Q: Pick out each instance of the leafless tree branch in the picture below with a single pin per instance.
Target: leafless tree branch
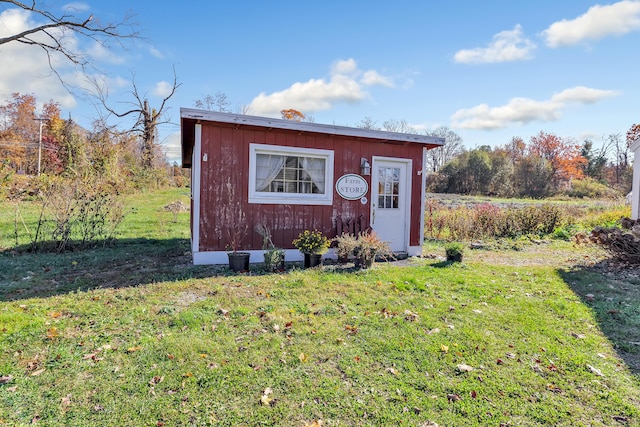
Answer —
(45, 37)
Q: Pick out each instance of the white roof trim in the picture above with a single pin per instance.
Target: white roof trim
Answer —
(635, 145)
(241, 119)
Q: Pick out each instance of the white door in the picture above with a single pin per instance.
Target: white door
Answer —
(390, 202)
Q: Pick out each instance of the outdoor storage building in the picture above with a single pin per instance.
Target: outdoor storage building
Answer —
(292, 176)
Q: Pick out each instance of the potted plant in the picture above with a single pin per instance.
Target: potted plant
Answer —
(454, 251)
(312, 244)
(368, 247)
(273, 256)
(364, 248)
(235, 225)
(345, 244)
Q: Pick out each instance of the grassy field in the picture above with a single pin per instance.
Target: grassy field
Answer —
(136, 335)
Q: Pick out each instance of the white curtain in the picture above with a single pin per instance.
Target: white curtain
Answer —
(267, 167)
(315, 168)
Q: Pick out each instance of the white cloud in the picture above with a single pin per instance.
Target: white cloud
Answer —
(162, 89)
(99, 52)
(524, 110)
(506, 46)
(598, 22)
(25, 69)
(347, 66)
(156, 52)
(172, 147)
(373, 78)
(76, 7)
(345, 84)
(582, 95)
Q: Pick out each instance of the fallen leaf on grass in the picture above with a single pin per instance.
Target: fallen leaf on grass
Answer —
(134, 349)
(265, 400)
(453, 397)
(156, 380)
(303, 357)
(554, 388)
(66, 401)
(444, 348)
(464, 368)
(315, 423)
(596, 371)
(410, 316)
(52, 333)
(351, 329)
(12, 389)
(392, 371)
(38, 372)
(5, 379)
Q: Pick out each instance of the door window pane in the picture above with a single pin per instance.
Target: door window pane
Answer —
(388, 187)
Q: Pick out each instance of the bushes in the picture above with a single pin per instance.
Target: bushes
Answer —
(71, 214)
(487, 220)
(591, 188)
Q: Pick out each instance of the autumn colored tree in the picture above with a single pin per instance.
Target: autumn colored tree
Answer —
(291, 114)
(633, 134)
(19, 132)
(564, 157)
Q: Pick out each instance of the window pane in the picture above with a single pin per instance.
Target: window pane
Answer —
(290, 174)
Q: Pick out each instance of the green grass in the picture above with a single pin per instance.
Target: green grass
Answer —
(199, 346)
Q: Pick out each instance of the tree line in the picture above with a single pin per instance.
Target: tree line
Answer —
(545, 166)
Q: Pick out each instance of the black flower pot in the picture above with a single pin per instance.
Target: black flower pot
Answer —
(239, 261)
(312, 260)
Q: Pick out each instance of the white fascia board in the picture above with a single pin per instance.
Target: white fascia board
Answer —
(241, 119)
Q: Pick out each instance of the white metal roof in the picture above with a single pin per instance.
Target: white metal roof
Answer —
(241, 119)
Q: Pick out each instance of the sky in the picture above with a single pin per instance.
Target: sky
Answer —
(489, 71)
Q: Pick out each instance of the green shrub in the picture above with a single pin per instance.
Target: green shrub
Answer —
(454, 251)
(591, 188)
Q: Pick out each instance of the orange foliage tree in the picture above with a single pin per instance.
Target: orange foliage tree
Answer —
(292, 114)
(633, 134)
(564, 157)
(19, 132)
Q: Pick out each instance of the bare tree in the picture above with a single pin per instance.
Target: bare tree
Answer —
(401, 126)
(148, 120)
(217, 102)
(367, 123)
(437, 157)
(52, 36)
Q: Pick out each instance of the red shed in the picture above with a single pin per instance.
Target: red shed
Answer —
(292, 176)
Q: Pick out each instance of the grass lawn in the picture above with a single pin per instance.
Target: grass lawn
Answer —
(136, 335)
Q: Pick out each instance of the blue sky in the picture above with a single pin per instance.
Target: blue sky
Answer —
(488, 70)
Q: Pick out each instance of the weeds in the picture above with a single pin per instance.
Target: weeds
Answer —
(491, 221)
(71, 214)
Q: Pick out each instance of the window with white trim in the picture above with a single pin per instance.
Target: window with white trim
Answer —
(290, 175)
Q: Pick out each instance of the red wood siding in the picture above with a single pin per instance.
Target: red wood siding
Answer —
(226, 147)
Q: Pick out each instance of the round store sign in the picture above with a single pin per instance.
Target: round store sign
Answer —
(352, 186)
